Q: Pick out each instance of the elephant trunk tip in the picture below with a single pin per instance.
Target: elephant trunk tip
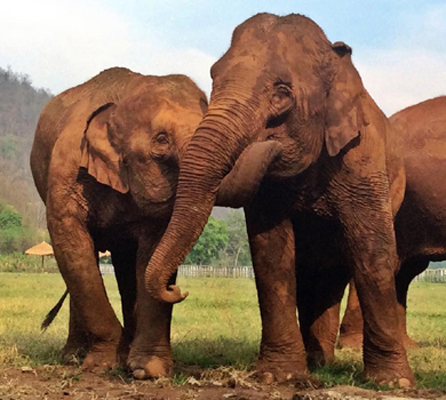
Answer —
(171, 294)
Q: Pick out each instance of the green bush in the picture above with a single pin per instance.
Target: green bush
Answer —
(14, 237)
(18, 262)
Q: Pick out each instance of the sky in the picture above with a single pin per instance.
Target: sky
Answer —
(399, 47)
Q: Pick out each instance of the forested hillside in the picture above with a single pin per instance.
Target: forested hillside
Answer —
(20, 107)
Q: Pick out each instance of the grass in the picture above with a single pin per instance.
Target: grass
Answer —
(218, 325)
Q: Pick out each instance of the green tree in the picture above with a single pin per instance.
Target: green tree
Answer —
(211, 243)
(10, 218)
(13, 237)
(237, 251)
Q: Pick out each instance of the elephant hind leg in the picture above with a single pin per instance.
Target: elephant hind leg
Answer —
(79, 341)
(319, 295)
(351, 331)
(124, 263)
(76, 257)
(408, 271)
(150, 351)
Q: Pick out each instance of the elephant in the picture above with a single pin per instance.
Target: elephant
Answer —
(331, 192)
(420, 224)
(105, 161)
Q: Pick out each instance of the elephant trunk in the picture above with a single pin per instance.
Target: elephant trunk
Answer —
(211, 154)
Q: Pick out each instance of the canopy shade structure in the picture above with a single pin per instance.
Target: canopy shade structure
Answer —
(42, 249)
(106, 253)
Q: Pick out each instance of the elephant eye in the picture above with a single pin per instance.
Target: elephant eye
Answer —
(161, 146)
(162, 138)
(282, 89)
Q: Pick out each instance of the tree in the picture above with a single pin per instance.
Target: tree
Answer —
(12, 235)
(211, 243)
(10, 218)
(237, 250)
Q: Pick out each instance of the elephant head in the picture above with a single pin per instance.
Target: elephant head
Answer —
(281, 84)
(135, 144)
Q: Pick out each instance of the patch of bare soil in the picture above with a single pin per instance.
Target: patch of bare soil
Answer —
(51, 383)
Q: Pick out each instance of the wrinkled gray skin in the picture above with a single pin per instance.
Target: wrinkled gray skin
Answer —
(336, 184)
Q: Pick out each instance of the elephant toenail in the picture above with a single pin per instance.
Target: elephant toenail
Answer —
(139, 373)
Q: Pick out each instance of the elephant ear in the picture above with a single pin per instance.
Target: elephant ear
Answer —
(345, 117)
(98, 155)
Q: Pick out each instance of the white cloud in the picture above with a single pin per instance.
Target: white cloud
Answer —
(400, 77)
(61, 44)
(413, 68)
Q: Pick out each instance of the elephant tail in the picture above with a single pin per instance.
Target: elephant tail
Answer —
(54, 311)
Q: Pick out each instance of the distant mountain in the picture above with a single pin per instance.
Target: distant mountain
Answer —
(20, 107)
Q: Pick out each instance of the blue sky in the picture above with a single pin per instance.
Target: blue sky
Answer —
(399, 47)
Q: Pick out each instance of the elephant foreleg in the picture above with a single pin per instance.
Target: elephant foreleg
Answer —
(282, 354)
(371, 244)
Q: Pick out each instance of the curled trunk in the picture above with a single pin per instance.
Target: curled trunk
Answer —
(210, 155)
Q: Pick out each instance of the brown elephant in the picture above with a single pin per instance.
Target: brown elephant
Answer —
(335, 185)
(105, 161)
(420, 224)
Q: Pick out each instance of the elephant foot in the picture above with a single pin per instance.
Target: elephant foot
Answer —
(146, 367)
(73, 353)
(280, 369)
(398, 375)
(101, 358)
(351, 341)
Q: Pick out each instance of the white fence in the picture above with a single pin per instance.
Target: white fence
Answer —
(210, 271)
(200, 271)
(432, 275)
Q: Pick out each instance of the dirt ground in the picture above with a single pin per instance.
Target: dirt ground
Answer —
(50, 382)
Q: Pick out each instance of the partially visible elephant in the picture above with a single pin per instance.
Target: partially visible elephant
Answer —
(105, 161)
(420, 224)
(331, 192)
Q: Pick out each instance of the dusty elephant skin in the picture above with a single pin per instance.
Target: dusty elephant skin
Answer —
(420, 224)
(105, 161)
(332, 191)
